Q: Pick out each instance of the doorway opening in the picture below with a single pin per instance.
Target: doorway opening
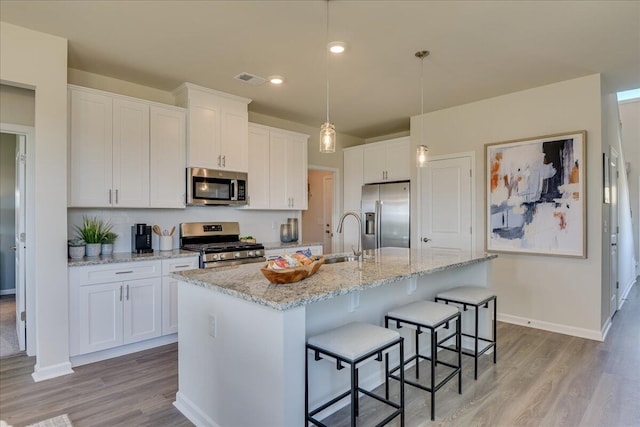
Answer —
(16, 228)
(319, 219)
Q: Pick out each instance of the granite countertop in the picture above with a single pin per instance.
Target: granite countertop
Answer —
(280, 245)
(380, 267)
(129, 257)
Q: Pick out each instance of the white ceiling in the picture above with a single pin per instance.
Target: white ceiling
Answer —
(479, 49)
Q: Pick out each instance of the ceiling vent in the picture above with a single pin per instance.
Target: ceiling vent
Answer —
(250, 78)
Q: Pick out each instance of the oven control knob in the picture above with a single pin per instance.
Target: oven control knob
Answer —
(236, 254)
(214, 256)
(222, 256)
(251, 253)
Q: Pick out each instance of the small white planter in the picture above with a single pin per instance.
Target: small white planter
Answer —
(107, 248)
(93, 249)
(76, 252)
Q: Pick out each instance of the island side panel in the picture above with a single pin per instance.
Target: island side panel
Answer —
(251, 373)
(370, 306)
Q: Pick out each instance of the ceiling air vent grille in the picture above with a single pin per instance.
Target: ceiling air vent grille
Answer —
(250, 78)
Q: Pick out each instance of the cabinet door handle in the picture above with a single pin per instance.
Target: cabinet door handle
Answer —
(120, 292)
(182, 266)
(124, 272)
(224, 161)
(116, 196)
(219, 160)
(127, 292)
(109, 196)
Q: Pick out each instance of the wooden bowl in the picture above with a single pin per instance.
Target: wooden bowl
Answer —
(292, 275)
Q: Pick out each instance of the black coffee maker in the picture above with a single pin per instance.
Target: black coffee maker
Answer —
(141, 239)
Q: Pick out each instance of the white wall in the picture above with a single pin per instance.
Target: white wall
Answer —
(17, 105)
(549, 292)
(39, 61)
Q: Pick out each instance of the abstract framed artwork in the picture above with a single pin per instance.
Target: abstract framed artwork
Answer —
(536, 195)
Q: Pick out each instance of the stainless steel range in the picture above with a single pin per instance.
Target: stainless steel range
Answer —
(219, 244)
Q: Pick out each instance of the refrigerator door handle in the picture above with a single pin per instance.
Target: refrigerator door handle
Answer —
(378, 223)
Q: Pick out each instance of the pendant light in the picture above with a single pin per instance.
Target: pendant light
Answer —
(422, 152)
(327, 130)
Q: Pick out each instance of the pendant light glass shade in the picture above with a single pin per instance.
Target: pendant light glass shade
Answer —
(422, 152)
(327, 130)
(327, 138)
(422, 155)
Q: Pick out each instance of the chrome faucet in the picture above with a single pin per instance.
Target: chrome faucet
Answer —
(359, 253)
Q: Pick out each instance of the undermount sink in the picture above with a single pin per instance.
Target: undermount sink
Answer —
(341, 258)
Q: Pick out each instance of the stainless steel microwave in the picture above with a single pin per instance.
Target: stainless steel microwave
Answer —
(216, 187)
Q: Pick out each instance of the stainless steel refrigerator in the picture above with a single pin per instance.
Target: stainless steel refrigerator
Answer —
(386, 214)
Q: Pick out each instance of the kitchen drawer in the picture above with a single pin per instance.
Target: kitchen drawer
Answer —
(179, 264)
(107, 273)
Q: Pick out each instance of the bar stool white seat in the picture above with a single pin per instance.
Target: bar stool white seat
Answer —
(353, 344)
(432, 316)
(476, 297)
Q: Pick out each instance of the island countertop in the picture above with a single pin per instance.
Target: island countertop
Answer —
(380, 267)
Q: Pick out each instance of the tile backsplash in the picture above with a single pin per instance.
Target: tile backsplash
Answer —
(263, 225)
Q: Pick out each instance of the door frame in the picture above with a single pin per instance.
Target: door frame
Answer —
(29, 274)
(474, 226)
(336, 239)
(614, 290)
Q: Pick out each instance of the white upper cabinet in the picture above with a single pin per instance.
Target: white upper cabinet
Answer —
(277, 169)
(259, 167)
(217, 128)
(130, 154)
(124, 152)
(167, 154)
(387, 161)
(90, 155)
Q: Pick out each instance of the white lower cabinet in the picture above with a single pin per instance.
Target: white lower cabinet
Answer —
(170, 291)
(114, 304)
(142, 309)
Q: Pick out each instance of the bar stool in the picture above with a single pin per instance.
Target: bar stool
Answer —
(432, 316)
(353, 344)
(477, 297)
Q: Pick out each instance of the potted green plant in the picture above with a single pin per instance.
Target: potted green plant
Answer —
(92, 232)
(76, 248)
(107, 242)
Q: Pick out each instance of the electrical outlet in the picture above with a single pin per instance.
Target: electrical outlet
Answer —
(213, 326)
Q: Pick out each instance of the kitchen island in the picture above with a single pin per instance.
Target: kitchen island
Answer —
(242, 339)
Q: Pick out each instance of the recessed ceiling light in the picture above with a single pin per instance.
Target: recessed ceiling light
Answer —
(337, 47)
(276, 80)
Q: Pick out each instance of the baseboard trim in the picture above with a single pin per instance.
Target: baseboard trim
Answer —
(11, 291)
(552, 327)
(41, 374)
(98, 356)
(625, 292)
(605, 328)
(192, 412)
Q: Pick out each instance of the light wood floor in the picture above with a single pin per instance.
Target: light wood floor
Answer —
(541, 379)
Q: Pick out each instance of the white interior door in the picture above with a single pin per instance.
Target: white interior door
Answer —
(327, 190)
(19, 244)
(613, 280)
(446, 203)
